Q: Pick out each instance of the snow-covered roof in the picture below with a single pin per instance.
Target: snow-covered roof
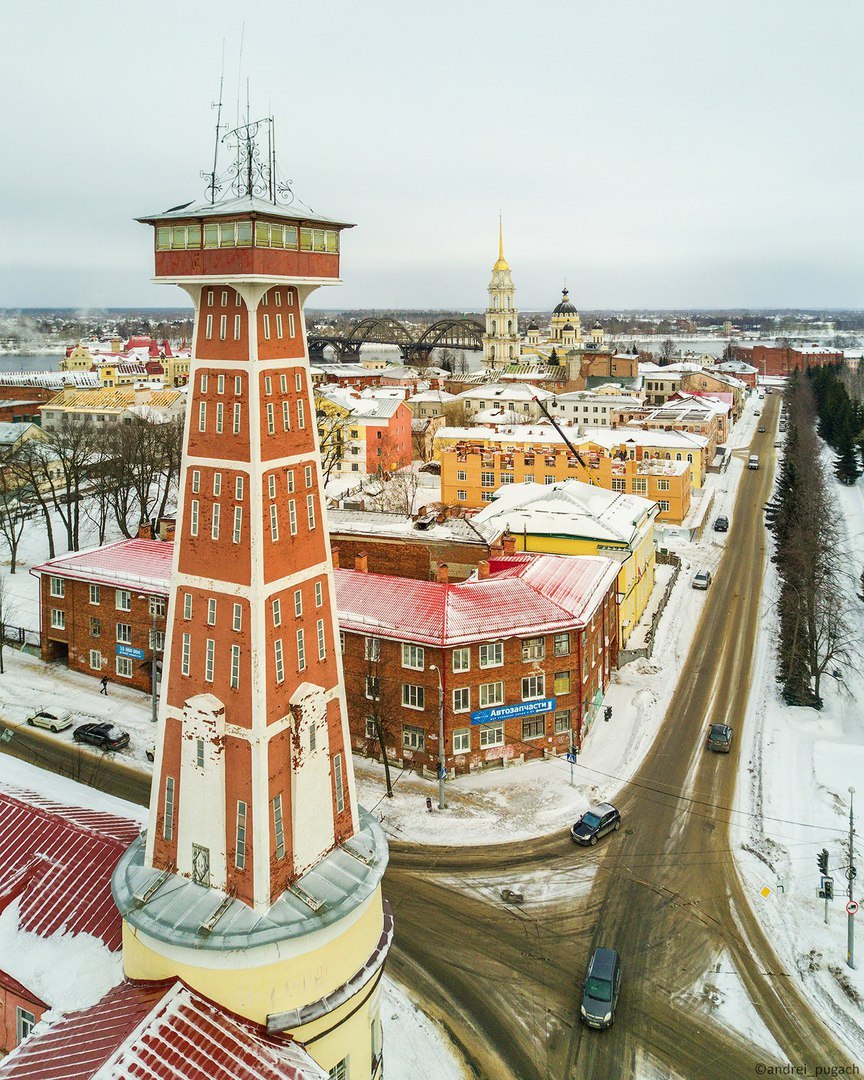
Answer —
(507, 391)
(157, 1031)
(369, 404)
(52, 379)
(545, 434)
(568, 508)
(11, 432)
(437, 396)
(375, 523)
(242, 205)
(524, 594)
(140, 564)
(57, 860)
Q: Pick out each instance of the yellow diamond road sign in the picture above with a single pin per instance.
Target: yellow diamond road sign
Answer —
(765, 892)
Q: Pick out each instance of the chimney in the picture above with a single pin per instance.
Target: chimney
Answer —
(145, 532)
(443, 573)
(509, 542)
(361, 563)
(334, 557)
(482, 569)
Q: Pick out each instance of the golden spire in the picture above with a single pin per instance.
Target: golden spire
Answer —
(502, 263)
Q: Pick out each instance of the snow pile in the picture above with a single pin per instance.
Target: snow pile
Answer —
(68, 972)
(415, 1046)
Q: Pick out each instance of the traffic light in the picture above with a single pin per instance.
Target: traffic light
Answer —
(828, 888)
(607, 713)
(822, 861)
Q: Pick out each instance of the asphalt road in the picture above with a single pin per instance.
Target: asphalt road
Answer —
(665, 892)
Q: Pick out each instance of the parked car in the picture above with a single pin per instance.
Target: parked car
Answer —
(151, 753)
(103, 735)
(58, 721)
(720, 738)
(701, 579)
(601, 989)
(594, 823)
(761, 429)
(721, 523)
(753, 461)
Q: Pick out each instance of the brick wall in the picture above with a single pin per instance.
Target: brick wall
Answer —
(409, 558)
(10, 1001)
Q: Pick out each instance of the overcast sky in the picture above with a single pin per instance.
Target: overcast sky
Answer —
(656, 153)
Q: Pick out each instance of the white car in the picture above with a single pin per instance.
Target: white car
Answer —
(701, 579)
(58, 721)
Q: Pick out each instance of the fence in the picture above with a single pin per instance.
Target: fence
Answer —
(665, 558)
(20, 636)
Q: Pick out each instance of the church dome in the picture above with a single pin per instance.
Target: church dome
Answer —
(533, 325)
(598, 325)
(565, 307)
(568, 326)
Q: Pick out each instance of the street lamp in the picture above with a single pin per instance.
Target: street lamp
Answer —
(442, 767)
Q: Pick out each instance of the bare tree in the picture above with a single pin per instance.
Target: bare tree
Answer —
(73, 447)
(397, 492)
(7, 612)
(13, 515)
(380, 695)
(35, 464)
(457, 414)
(332, 438)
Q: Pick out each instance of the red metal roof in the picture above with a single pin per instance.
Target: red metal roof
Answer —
(524, 594)
(141, 564)
(58, 860)
(12, 985)
(157, 1031)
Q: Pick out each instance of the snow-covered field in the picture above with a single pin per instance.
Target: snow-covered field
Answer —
(794, 798)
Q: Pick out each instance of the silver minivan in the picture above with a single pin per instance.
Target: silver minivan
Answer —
(601, 988)
(753, 463)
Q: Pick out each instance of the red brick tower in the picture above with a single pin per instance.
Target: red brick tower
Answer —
(253, 782)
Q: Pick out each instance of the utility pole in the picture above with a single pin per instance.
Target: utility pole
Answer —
(442, 761)
(850, 908)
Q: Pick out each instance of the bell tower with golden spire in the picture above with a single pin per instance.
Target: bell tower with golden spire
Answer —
(501, 341)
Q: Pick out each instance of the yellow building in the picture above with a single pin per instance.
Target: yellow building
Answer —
(572, 518)
(79, 359)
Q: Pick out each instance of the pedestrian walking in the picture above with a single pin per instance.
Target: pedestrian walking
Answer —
(104, 689)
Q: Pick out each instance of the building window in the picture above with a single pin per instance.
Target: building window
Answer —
(274, 522)
(413, 738)
(237, 619)
(298, 603)
(208, 333)
(187, 605)
(289, 478)
(193, 518)
(271, 425)
(277, 612)
(286, 416)
(462, 699)
(223, 327)
(280, 660)
(238, 379)
(310, 510)
(487, 479)
(491, 735)
(202, 416)
(562, 682)
(619, 485)
(157, 605)
(322, 645)
(186, 654)
(342, 642)
(238, 489)
(462, 740)
(209, 654)
(124, 667)
(95, 594)
(491, 693)
(492, 655)
(58, 619)
(561, 645)
(58, 587)
(533, 687)
(214, 524)
(271, 486)
(319, 594)
(413, 696)
(462, 659)
(156, 638)
(640, 485)
(236, 327)
(279, 827)
(217, 484)
(211, 611)
(201, 865)
(95, 660)
(168, 820)
(290, 325)
(371, 727)
(664, 506)
(240, 849)
(95, 627)
(533, 727)
(662, 485)
(123, 600)
(124, 632)
(301, 650)
(238, 525)
(413, 656)
(266, 321)
(461, 495)
(372, 648)
(278, 325)
(301, 414)
(308, 475)
(533, 648)
(461, 476)
(236, 427)
(339, 783)
(199, 753)
(292, 517)
(562, 722)
(373, 687)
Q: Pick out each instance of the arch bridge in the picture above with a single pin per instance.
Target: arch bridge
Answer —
(453, 333)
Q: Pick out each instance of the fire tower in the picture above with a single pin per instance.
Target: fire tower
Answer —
(259, 882)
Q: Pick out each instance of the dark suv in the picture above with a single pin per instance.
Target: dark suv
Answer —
(721, 523)
(105, 736)
(601, 988)
(720, 738)
(595, 823)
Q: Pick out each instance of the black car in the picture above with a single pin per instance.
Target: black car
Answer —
(601, 988)
(594, 823)
(104, 735)
(761, 429)
(721, 523)
(720, 738)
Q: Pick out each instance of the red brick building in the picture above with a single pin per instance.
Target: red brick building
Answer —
(521, 655)
(20, 1011)
(103, 611)
(784, 359)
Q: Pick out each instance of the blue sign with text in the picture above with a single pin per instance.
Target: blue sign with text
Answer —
(131, 652)
(513, 712)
